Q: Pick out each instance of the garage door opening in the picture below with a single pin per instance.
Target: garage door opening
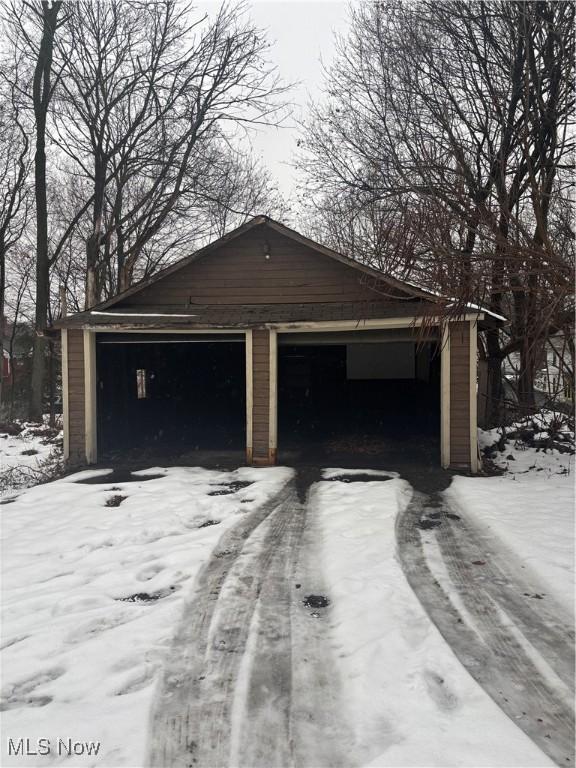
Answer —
(373, 391)
(171, 394)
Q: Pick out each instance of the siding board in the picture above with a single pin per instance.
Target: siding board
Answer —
(239, 273)
(76, 405)
(261, 396)
(460, 394)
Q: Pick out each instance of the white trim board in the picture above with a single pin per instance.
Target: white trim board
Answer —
(296, 327)
(120, 329)
(360, 325)
(249, 395)
(445, 398)
(473, 396)
(65, 395)
(273, 393)
(90, 415)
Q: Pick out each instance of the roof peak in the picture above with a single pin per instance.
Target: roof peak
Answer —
(282, 229)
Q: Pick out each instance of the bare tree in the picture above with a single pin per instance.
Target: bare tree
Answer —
(14, 190)
(136, 111)
(31, 27)
(151, 95)
(19, 306)
(460, 111)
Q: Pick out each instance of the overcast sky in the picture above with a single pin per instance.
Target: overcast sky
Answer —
(302, 34)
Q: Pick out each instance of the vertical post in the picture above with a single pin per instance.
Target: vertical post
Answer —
(261, 373)
(249, 396)
(65, 398)
(445, 397)
(91, 438)
(273, 417)
(473, 396)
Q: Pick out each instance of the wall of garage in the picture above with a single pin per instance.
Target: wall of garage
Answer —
(75, 395)
(460, 398)
(263, 268)
(262, 450)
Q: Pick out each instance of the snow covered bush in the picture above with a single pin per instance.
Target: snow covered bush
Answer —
(30, 454)
(543, 441)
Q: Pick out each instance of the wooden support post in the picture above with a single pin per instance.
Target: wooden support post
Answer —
(273, 416)
(462, 406)
(445, 397)
(474, 396)
(91, 446)
(65, 397)
(263, 397)
(249, 396)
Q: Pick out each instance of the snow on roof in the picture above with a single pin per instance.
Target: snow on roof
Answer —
(139, 314)
(469, 305)
(480, 308)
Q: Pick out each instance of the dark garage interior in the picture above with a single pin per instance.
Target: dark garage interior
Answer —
(170, 394)
(347, 393)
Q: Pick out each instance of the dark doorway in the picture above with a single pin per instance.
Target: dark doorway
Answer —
(361, 395)
(170, 395)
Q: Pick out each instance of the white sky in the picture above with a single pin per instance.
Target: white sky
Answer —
(302, 35)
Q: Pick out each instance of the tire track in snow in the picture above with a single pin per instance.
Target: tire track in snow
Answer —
(292, 713)
(249, 680)
(540, 621)
(264, 697)
(321, 736)
(491, 649)
(178, 730)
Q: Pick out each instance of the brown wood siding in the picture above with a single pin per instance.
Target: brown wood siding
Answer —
(261, 396)
(460, 394)
(76, 402)
(239, 273)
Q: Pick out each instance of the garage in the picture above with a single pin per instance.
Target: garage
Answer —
(358, 391)
(170, 394)
(271, 344)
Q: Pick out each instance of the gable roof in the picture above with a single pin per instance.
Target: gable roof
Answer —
(282, 229)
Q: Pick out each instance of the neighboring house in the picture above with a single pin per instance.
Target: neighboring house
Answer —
(267, 341)
(6, 367)
(16, 348)
(553, 378)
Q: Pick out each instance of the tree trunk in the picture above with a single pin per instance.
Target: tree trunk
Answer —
(92, 248)
(11, 351)
(125, 276)
(120, 238)
(42, 275)
(494, 385)
(93, 242)
(41, 98)
(526, 375)
(2, 324)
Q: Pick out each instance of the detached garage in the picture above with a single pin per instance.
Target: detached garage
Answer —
(350, 388)
(267, 342)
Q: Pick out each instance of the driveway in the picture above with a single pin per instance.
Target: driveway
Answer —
(257, 576)
(514, 643)
(251, 678)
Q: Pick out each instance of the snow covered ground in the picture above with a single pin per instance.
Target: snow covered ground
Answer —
(530, 511)
(82, 643)
(28, 457)
(517, 457)
(407, 695)
(95, 575)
